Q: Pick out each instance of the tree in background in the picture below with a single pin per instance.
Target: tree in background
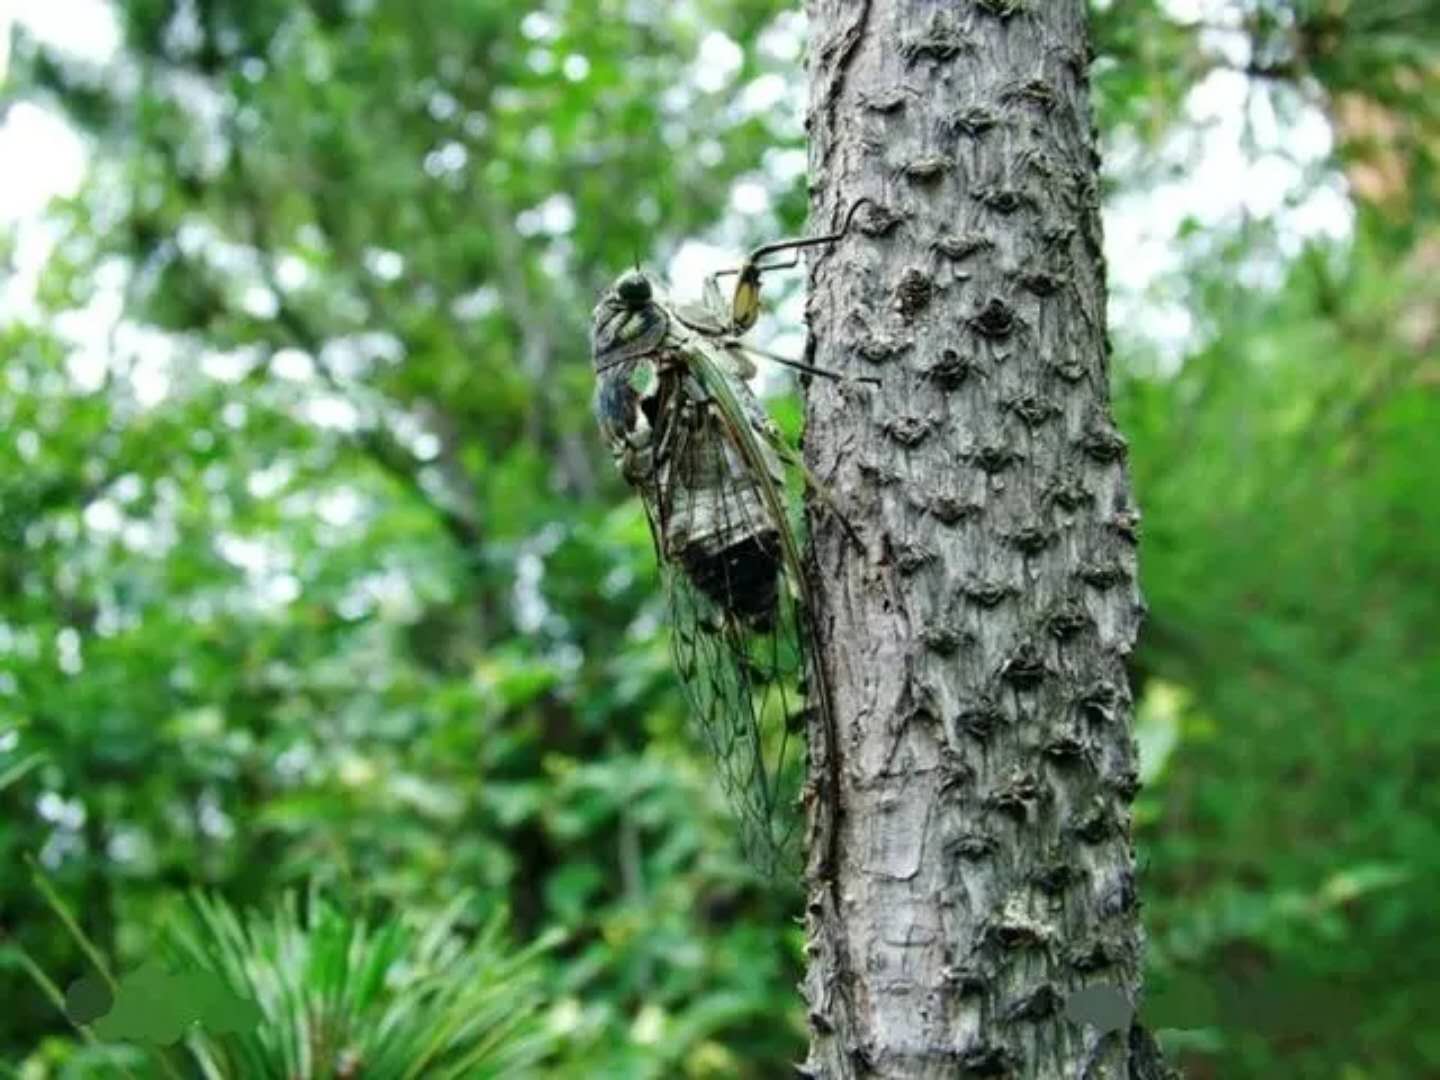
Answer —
(274, 609)
(981, 868)
(313, 563)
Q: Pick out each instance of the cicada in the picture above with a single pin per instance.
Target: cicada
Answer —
(717, 480)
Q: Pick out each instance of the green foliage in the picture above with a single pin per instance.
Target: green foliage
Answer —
(308, 990)
(330, 581)
(403, 997)
(1292, 838)
(314, 576)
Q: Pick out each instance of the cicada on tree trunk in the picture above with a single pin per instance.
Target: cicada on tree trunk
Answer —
(717, 480)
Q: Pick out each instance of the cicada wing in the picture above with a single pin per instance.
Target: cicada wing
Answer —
(703, 318)
(739, 604)
(737, 647)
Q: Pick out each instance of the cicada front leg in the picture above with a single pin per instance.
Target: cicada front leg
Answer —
(714, 301)
(745, 300)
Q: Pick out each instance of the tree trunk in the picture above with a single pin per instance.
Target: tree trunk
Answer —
(971, 864)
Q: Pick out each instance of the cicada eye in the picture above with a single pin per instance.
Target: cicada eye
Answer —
(634, 289)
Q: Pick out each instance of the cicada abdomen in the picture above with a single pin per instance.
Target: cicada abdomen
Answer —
(714, 520)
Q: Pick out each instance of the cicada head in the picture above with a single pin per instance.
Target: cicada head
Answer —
(628, 322)
(634, 289)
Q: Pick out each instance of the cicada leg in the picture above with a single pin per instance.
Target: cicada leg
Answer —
(712, 298)
(745, 301)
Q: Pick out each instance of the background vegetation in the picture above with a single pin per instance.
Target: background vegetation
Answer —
(314, 574)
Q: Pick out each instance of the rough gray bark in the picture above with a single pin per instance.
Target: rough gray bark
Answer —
(971, 864)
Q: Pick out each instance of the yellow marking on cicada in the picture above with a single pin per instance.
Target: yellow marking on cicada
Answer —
(632, 327)
(745, 307)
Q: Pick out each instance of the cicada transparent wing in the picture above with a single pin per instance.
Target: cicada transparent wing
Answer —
(737, 621)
